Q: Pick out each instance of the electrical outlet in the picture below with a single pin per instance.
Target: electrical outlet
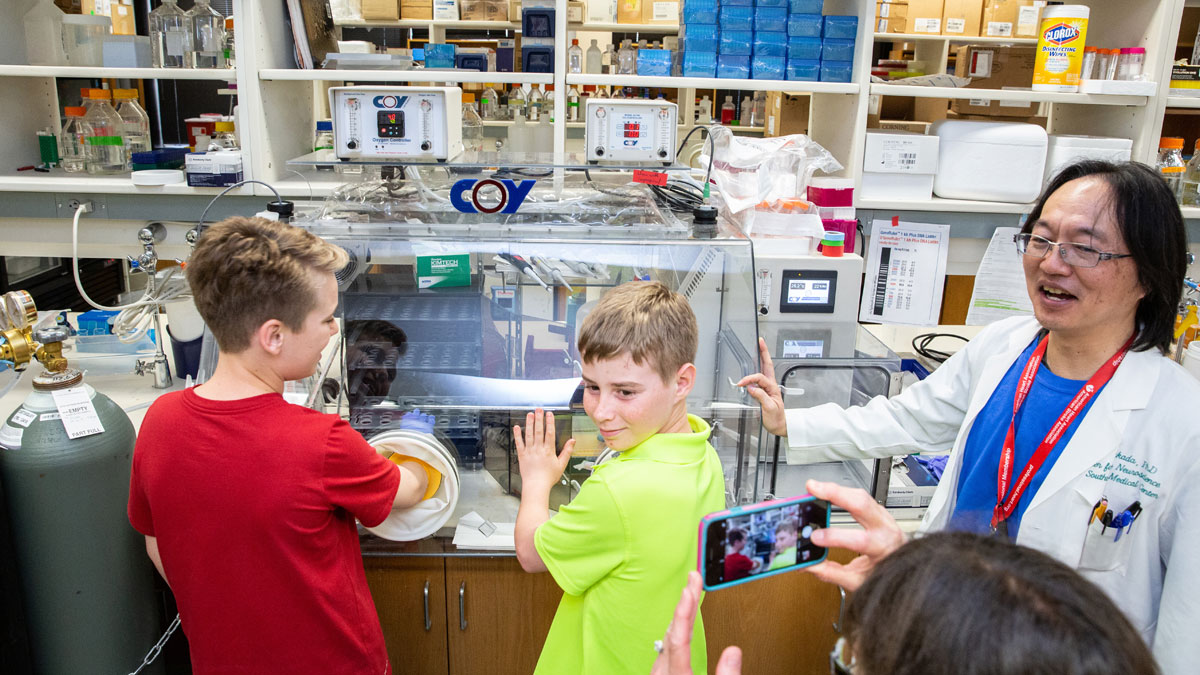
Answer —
(67, 204)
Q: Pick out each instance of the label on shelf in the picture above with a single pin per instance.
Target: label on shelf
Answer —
(956, 25)
(999, 29)
(927, 26)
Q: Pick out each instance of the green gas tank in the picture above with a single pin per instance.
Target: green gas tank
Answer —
(88, 585)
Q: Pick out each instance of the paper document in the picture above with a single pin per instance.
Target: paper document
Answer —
(1000, 290)
(905, 274)
(470, 534)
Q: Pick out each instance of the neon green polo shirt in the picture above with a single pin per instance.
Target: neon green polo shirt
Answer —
(621, 551)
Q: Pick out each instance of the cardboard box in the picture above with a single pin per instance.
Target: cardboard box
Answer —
(961, 17)
(910, 126)
(1001, 18)
(629, 11)
(412, 9)
(445, 10)
(120, 11)
(576, 11)
(380, 10)
(891, 10)
(1039, 120)
(930, 109)
(600, 11)
(925, 16)
(1029, 19)
(995, 67)
(891, 25)
(660, 11)
(70, 6)
(483, 10)
(786, 114)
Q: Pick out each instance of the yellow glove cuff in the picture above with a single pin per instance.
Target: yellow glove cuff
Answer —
(434, 476)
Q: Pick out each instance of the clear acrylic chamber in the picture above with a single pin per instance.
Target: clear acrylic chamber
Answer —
(473, 317)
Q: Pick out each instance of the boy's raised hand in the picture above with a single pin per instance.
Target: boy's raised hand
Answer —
(763, 388)
(535, 450)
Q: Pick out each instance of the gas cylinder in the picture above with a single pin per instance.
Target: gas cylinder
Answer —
(88, 585)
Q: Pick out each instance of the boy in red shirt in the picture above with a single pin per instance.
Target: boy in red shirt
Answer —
(248, 502)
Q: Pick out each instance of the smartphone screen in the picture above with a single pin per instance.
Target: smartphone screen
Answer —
(758, 541)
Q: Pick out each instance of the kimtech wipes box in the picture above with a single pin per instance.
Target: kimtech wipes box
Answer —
(442, 269)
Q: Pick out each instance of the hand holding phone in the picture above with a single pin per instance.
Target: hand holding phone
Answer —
(760, 540)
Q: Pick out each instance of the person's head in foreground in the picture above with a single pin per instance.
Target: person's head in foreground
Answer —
(1120, 258)
(955, 603)
(637, 347)
(267, 288)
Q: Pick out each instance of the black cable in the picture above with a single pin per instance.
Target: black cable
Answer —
(711, 151)
(678, 195)
(923, 348)
(862, 238)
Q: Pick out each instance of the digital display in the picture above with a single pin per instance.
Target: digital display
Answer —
(391, 124)
(808, 291)
(803, 349)
(764, 541)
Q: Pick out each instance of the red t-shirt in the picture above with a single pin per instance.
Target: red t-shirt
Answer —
(253, 504)
(737, 566)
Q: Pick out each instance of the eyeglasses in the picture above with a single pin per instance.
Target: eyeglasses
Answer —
(1075, 255)
(836, 665)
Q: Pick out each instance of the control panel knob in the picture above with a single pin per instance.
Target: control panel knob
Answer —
(662, 152)
(426, 145)
(763, 310)
(351, 144)
(599, 151)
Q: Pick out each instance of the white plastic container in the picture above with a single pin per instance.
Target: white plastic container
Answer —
(1062, 38)
(1191, 358)
(43, 35)
(899, 165)
(989, 161)
(83, 39)
(1062, 150)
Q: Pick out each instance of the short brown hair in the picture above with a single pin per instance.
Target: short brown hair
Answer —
(247, 271)
(645, 319)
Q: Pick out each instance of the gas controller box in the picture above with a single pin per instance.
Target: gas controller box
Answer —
(396, 122)
(625, 130)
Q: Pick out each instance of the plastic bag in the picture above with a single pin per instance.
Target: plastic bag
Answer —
(748, 171)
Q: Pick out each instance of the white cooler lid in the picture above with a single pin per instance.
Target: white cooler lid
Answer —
(1106, 142)
(1002, 133)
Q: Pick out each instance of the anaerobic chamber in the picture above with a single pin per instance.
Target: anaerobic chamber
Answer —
(473, 316)
(808, 310)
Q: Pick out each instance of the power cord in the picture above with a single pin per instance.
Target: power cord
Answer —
(711, 154)
(678, 195)
(203, 214)
(920, 345)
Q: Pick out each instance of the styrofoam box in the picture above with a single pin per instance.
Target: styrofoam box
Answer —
(989, 161)
(899, 165)
(1063, 150)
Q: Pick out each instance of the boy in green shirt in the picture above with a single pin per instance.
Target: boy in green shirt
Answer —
(621, 550)
(786, 534)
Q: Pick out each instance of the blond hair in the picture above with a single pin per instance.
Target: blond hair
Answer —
(247, 271)
(788, 524)
(646, 320)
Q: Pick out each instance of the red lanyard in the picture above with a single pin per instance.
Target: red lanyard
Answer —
(1005, 507)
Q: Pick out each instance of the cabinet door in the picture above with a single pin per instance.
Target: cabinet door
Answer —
(410, 596)
(499, 615)
(784, 624)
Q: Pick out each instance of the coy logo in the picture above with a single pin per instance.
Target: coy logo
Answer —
(489, 195)
(389, 102)
(1061, 33)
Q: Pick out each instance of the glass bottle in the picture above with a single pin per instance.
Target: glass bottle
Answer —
(489, 103)
(170, 36)
(516, 102)
(627, 59)
(105, 144)
(135, 122)
(1189, 191)
(73, 144)
(44, 36)
(472, 125)
(592, 59)
(727, 110)
(759, 116)
(1170, 163)
(704, 111)
(607, 60)
(536, 100)
(746, 113)
(208, 36)
(575, 57)
(572, 104)
(229, 49)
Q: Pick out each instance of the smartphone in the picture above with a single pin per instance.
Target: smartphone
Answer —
(760, 540)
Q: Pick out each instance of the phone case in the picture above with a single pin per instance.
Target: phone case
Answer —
(744, 511)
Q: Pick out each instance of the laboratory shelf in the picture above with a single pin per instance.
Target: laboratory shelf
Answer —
(434, 23)
(60, 181)
(661, 28)
(419, 75)
(787, 86)
(939, 204)
(1183, 101)
(221, 74)
(973, 39)
(1006, 95)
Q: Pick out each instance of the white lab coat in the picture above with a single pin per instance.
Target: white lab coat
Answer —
(1139, 441)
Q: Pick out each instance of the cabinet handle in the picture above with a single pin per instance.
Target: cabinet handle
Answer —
(428, 623)
(462, 606)
(837, 625)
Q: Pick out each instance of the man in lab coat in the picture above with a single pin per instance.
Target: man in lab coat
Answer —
(1099, 466)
